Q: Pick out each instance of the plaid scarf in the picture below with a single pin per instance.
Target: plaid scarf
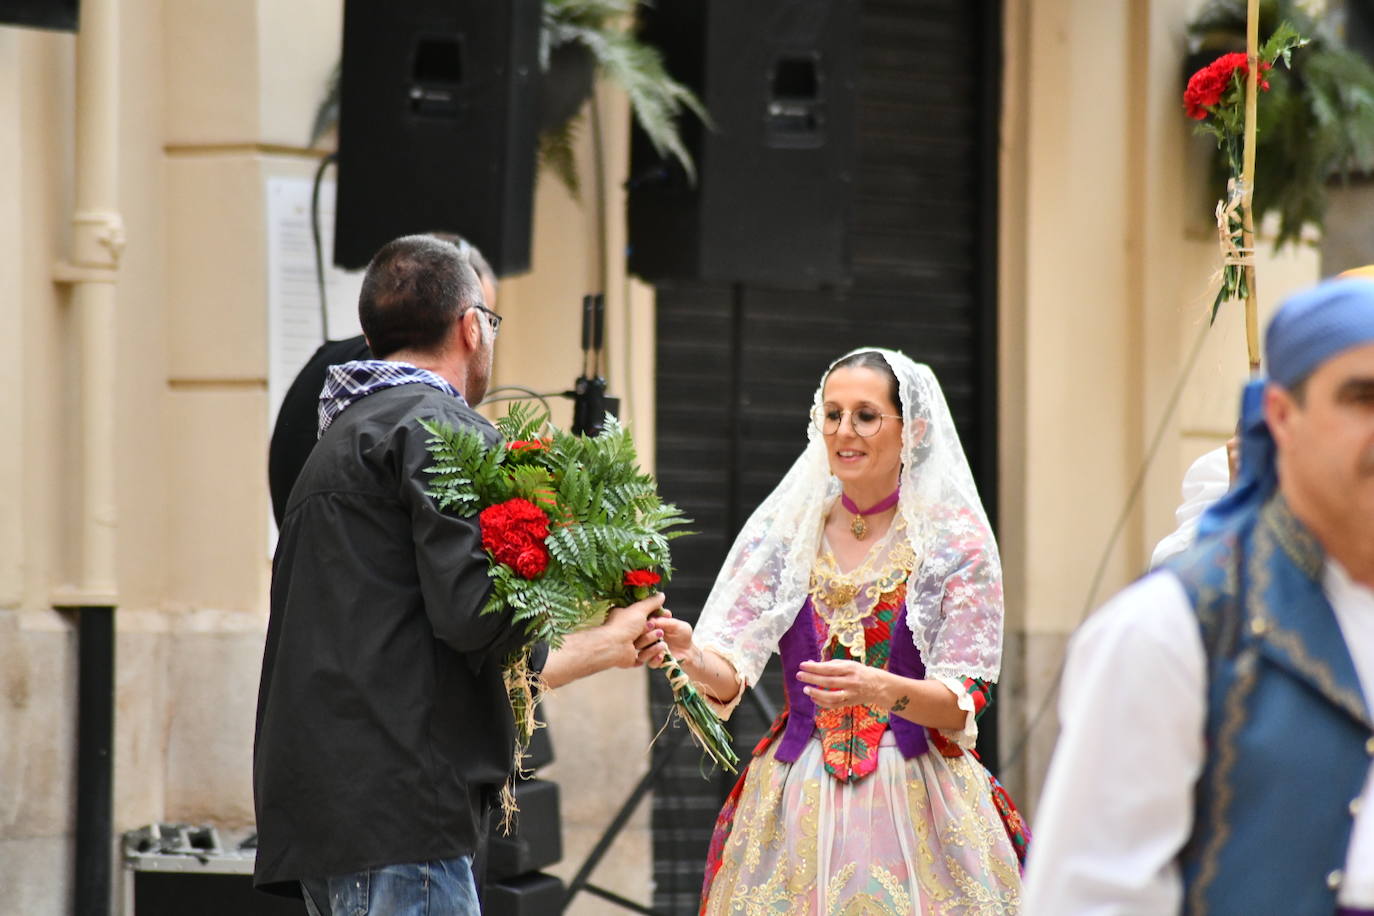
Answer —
(350, 382)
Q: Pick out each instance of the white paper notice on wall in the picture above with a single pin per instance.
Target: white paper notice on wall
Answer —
(293, 292)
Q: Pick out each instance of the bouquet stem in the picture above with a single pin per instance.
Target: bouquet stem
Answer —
(701, 719)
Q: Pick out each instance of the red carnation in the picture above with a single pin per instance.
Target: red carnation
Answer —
(1208, 85)
(641, 578)
(531, 562)
(513, 532)
(1204, 91)
(528, 445)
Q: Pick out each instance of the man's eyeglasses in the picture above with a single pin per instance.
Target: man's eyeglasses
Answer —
(493, 319)
(865, 421)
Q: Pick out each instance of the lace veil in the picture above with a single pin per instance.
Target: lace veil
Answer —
(954, 595)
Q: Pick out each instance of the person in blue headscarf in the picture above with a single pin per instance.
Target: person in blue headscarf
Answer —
(1217, 741)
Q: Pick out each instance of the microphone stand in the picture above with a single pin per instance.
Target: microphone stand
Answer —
(589, 391)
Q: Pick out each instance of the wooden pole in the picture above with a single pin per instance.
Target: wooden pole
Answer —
(1248, 177)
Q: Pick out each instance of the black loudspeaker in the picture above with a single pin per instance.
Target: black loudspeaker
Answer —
(42, 14)
(437, 125)
(536, 894)
(775, 175)
(208, 894)
(535, 841)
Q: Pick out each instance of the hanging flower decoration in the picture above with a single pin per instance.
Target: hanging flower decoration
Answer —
(1208, 85)
(1215, 98)
(1316, 122)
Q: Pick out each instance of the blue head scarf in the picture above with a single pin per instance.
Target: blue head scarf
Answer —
(1308, 329)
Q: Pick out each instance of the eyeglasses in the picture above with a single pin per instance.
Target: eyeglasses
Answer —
(865, 421)
(493, 319)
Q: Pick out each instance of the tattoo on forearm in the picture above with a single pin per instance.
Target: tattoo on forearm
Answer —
(901, 703)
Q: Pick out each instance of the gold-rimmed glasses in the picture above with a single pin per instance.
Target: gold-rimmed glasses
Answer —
(865, 421)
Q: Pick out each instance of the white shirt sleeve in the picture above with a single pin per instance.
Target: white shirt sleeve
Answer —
(1206, 481)
(1118, 801)
(1354, 607)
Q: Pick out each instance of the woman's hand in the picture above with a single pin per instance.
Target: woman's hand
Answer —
(841, 682)
(846, 683)
(663, 634)
(711, 671)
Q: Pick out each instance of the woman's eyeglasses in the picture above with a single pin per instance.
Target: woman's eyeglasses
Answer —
(865, 421)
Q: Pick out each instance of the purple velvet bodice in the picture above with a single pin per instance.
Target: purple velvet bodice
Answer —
(800, 644)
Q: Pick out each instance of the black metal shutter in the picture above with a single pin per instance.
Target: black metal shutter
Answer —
(736, 365)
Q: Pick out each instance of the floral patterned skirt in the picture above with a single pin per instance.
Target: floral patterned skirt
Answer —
(915, 836)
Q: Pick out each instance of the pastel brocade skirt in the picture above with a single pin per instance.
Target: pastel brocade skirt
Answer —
(915, 836)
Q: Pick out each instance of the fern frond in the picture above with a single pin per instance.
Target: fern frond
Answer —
(522, 422)
(466, 473)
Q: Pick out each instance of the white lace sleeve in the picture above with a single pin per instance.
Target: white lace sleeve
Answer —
(954, 602)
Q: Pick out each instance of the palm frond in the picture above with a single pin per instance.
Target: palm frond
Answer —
(557, 154)
(656, 99)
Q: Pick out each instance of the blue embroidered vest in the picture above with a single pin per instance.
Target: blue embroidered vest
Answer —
(1288, 732)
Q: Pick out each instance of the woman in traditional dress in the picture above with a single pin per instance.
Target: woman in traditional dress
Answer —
(872, 570)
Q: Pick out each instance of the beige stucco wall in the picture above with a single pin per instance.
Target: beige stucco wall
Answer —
(215, 99)
(1107, 277)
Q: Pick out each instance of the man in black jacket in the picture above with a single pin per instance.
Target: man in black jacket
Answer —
(383, 728)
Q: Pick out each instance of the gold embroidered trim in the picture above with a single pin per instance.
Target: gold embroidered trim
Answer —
(835, 594)
(1299, 543)
(1246, 668)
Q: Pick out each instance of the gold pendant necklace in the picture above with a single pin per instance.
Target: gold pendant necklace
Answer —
(859, 526)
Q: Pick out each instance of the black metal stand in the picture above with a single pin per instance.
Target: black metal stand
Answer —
(580, 882)
(95, 760)
(622, 817)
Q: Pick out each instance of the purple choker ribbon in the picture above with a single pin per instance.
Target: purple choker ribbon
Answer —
(859, 527)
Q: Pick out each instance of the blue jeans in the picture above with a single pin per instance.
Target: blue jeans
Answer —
(443, 887)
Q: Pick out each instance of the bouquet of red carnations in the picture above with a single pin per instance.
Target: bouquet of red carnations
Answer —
(573, 528)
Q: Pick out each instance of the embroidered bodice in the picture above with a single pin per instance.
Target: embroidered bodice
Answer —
(858, 615)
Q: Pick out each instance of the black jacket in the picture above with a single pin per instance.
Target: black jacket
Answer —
(383, 728)
(293, 436)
